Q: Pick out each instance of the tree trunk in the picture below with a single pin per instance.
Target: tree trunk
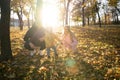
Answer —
(6, 52)
(117, 19)
(83, 16)
(117, 9)
(67, 10)
(105, 21)
(38, 14)
(113, 17)
(20, 20)
(94, 20)
(88, 20)
(28, 17)
(99, 19)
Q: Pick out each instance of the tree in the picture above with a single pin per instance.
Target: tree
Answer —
(115, 9)
(38, 13)
(17, 6)
(28, 10)
(6, 52)
(65, 12)
(83, 13)
(76, 12)
(96, 8)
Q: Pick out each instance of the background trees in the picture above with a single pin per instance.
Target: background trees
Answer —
(86, 12)
(23, 8)
(95, 11)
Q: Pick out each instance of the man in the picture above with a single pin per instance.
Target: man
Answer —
(34, 38)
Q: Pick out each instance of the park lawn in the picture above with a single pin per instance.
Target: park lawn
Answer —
(98, 58)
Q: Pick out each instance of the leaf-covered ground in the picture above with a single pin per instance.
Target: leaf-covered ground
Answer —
(98, 58)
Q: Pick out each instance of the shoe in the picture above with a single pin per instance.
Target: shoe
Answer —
(40, 53)
(32, 53)
(48, 57)
(56, 55)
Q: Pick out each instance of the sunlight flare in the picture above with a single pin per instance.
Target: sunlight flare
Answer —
(50, 15)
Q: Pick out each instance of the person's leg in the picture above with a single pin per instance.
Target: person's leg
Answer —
(42, 47)
(48, 52)
(55, 51)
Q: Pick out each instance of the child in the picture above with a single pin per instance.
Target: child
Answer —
(34, 38)
(50, 40)
(69, 40)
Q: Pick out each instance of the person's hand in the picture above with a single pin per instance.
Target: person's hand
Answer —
(32, 45)
(61, 43)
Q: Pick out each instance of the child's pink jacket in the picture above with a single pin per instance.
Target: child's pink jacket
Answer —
(68, 42)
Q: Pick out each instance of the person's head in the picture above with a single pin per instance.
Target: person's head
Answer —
(34, 25)
(49, 29)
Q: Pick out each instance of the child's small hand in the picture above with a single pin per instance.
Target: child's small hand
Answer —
(60, 42)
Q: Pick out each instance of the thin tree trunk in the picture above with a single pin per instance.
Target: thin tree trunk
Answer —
(117, 19)
(67, 9)
(28, 17)
(83, 16)
(38, 13)
(93, 19)
(105, 18)
(117, 9)
(88, 20)
(20, 21)
(99, 19)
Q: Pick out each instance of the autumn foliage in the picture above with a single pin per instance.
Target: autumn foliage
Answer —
(98, 58)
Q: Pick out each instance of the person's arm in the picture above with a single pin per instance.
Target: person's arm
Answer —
(27, 35)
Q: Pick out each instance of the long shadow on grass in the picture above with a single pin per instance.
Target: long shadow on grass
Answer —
(23, 67)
